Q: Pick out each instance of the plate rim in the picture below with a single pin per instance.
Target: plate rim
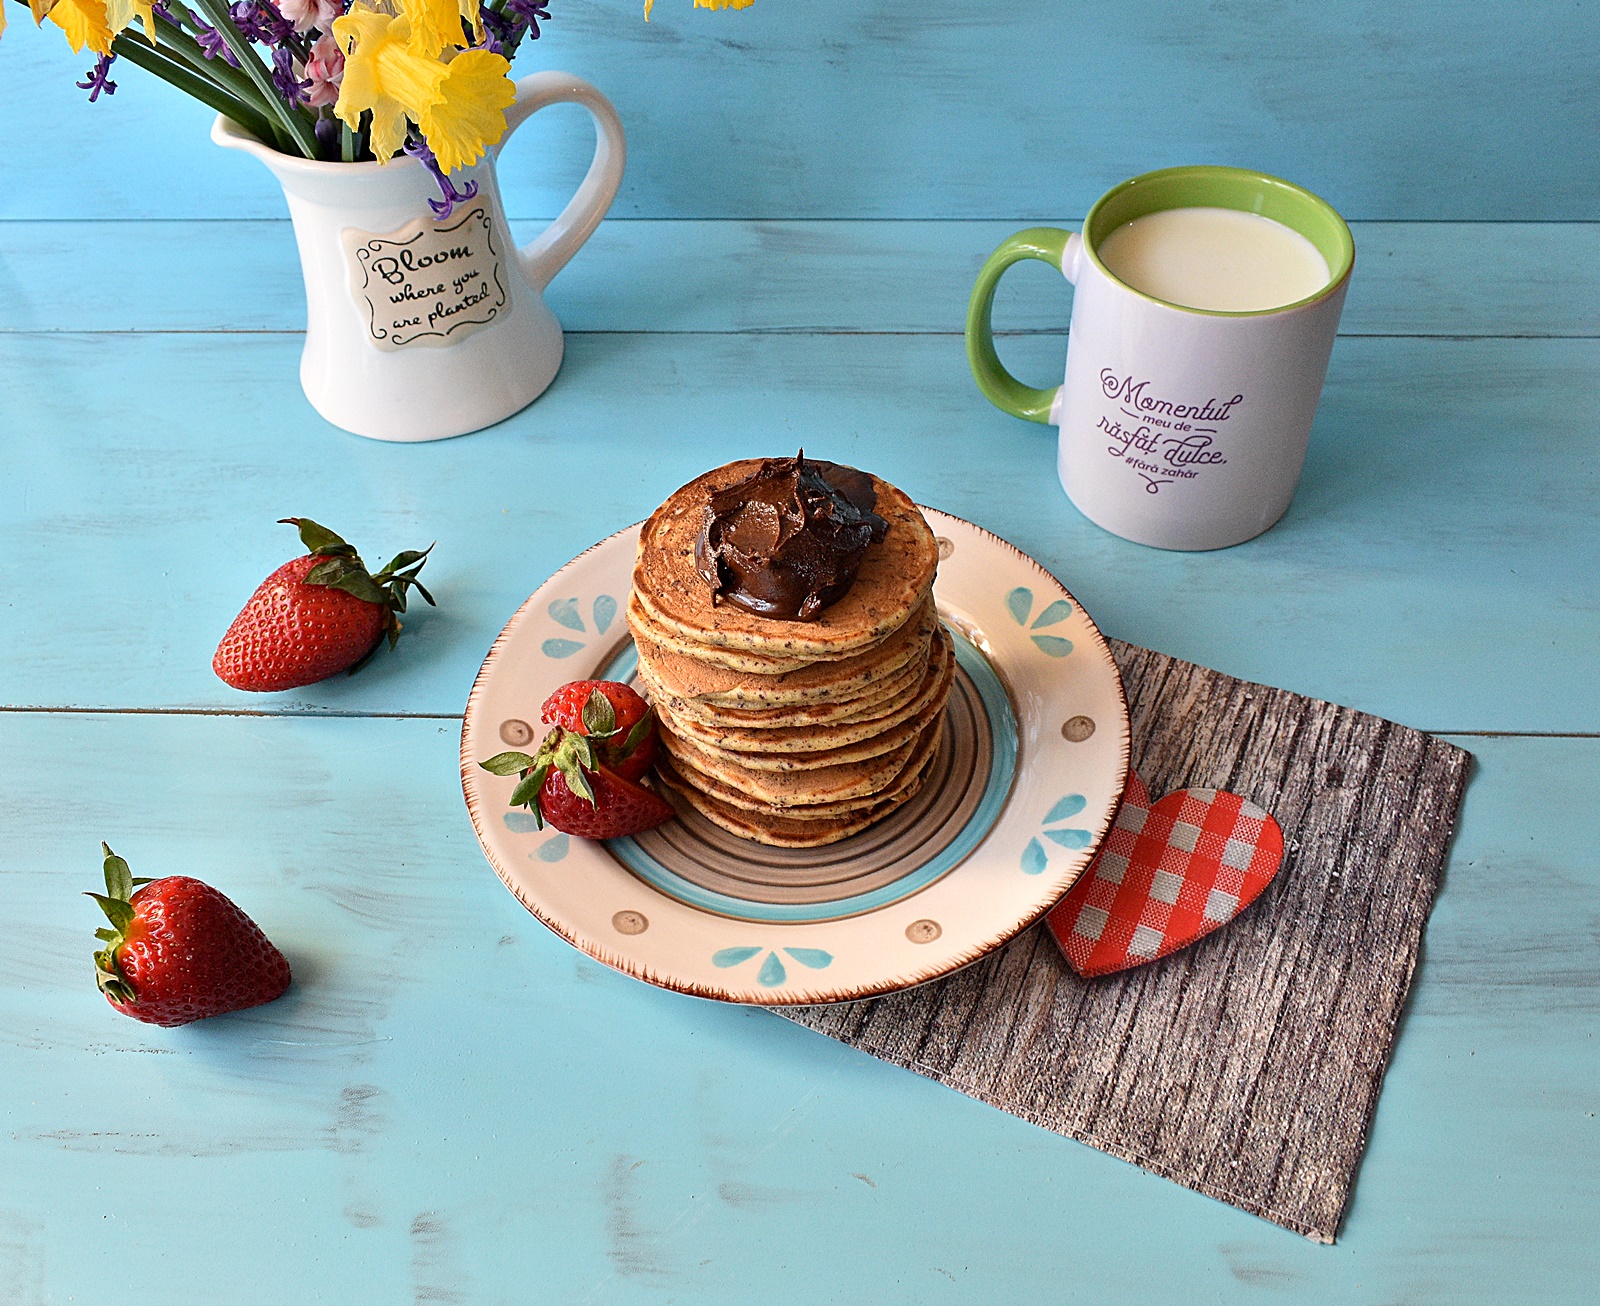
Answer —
(860, 991)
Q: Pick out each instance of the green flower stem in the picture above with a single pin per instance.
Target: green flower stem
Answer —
(347, 144)
(137, 50)
(173, 41)
(299, 129)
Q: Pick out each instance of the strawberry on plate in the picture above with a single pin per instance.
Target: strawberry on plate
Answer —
(178, 950)
(317, 615)
(614, 716)
(584, 778)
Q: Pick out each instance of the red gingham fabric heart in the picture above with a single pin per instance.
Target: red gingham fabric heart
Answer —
(1168, 874)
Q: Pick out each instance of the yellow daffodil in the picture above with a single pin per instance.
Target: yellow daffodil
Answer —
(121, 13)
(703, 4)
(84, 22)
(383, 72)
(435, 25)
(470, 114)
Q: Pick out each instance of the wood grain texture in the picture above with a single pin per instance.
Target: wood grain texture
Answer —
(1248, 1065)
(1450, 279)
(1442, 533)
(452, 1101)
(995, 109)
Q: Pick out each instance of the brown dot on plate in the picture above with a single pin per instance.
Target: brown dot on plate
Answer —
(516, 733)
(630, 922)
(923, 931)
(946, 546)
(1077, 728)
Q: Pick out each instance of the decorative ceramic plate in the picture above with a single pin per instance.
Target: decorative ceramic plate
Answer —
(1025, 786)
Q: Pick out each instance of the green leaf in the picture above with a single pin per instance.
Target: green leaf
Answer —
(422, 590)
(526, 794)
(143, 879)
(313, 535)
(105, 935)
(636, 736)
(119, 878)
(575, 778)
(358, 583)
(118, 911)
(599, 717)
(401, 561)
(508, 763)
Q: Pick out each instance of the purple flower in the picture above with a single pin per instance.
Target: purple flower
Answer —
(98, 79)
(259, 20)
(291, 87)
(497, 30)
(442, 208)
(212, 44)
(529, 12)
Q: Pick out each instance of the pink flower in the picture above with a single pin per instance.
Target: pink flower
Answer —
(324, 70)
(306, 14)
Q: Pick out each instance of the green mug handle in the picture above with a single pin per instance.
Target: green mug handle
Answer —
(1000, 388)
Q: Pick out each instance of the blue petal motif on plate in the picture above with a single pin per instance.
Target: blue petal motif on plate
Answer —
(565, 611)
(561, 648)
(1054, 645)
(1071, 805)
(1060, 610)
(1069, 838)
(1033, 858)
(815, 958)
(1020, 601)
(520, 822)
(772, 971)
(553, 850)
(732, 956)
(605, 612)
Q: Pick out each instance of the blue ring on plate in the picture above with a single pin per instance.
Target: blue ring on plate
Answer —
(1002, 770)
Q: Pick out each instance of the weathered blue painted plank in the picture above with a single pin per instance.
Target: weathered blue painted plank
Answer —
(1437, 566)
(451, 1104)
(1461, 279)
(990, 109)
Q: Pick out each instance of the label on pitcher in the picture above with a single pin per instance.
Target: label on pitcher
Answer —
(428, 283)
(1160, 438)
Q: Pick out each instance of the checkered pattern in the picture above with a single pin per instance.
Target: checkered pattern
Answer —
(1167, 875)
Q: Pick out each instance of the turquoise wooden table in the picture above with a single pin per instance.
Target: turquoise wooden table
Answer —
(450, 1104)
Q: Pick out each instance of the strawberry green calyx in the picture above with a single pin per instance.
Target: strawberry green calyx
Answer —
(568, 752)
(118, 907)
(341, 568)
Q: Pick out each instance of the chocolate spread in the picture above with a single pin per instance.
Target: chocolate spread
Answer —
(787, 540)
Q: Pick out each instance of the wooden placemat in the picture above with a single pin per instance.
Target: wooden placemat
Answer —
(1247, 1066)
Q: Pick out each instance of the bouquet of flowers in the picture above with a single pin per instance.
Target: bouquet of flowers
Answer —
(336, 80)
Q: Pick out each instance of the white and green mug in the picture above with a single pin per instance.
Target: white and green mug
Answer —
(1180, 427)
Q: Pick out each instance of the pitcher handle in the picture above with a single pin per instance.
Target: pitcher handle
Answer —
(549, 252)
(1049, 245)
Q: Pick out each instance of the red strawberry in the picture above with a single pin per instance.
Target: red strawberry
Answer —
(179, 951)
(317, 615)
(613, 715)
(616, 807)
(583, 778)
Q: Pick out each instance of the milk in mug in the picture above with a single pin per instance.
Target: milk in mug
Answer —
(1219, 260)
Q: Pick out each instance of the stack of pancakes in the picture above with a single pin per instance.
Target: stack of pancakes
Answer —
(792, 733)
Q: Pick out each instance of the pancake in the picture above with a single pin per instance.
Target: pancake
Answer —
(827, 784)
(879, 697)
(775, 831)
(902, 787)
(643, 625)
(737, 768)
(681, 677)
(895, 575)
(822, 736)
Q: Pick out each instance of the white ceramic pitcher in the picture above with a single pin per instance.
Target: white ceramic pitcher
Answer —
(419, 328)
